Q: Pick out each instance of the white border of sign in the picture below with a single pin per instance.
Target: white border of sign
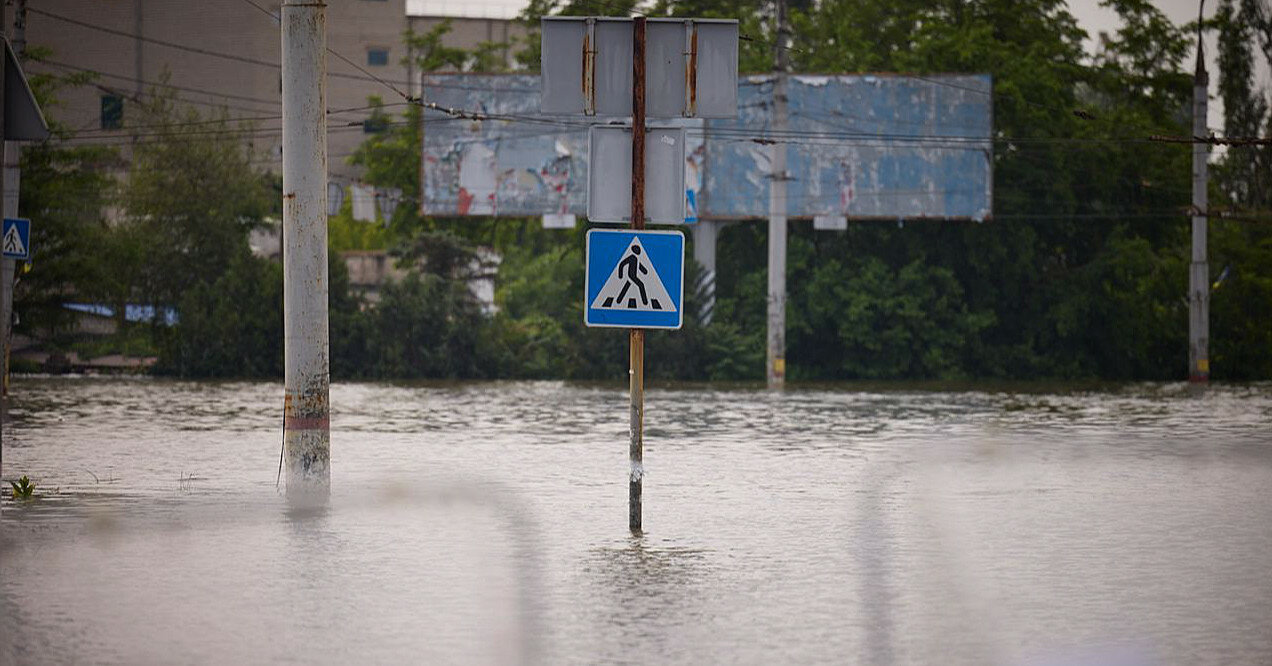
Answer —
(587, 279)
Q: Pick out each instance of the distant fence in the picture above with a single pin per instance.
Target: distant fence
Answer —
(858, 146)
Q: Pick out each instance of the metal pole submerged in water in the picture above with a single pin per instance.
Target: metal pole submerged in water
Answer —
(306, 402)
(636, 372)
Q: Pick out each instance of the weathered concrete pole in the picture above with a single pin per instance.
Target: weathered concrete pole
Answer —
(636, 369)
(6, 296)
(777, 217)
(705, 234)
(306, 403)
(1199, 273)
(9, 183)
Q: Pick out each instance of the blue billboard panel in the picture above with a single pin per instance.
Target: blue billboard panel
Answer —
(857, 146)
(860, 146)
(514, 162)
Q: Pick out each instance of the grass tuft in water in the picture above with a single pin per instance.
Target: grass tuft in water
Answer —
(23, 489)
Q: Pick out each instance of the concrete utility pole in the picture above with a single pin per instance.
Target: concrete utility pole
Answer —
(1199, 273)
(19, 28)
(777, 216)
(306, 403)
(636, 370)
(6, 288)
(12, 181)
(139, 46)
(705, 234)
(9, 191)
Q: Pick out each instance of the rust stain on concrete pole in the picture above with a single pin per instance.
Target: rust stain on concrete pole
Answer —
(306, 402)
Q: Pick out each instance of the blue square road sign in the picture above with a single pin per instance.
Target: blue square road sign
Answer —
(635, 279)
(16, 238)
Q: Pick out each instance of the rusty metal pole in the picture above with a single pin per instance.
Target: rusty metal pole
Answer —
(306, 402)
(636, 373)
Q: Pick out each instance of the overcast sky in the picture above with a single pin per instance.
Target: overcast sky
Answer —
(1094, 18)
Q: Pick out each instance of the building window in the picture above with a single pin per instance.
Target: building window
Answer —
(375, 124)
(112, 111)
(378, 57)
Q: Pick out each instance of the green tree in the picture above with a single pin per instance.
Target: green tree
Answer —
(231, 326)
(1245, 172)
(1241, 248)
(65, 190)
(194, 189)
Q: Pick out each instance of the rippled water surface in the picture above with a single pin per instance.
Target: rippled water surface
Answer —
(486, 523)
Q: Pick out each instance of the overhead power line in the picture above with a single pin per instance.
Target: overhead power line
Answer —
(153, 40)
(333, 52)
(1214, 140)
(196, 123)
(365, 76)
(160, 84)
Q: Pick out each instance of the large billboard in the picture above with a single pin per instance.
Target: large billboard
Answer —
(859, 146)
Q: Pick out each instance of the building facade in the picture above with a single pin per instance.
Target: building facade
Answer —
(225, 55)
(210, 55)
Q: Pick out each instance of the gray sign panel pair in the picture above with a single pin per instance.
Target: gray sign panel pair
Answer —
(691, 70)
(609, 183)
(691, 67)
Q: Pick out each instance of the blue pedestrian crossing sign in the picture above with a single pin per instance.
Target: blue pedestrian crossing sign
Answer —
(635, 279)
(16, 238)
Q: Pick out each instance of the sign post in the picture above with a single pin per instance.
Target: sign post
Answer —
(636, 371)
(635, 279)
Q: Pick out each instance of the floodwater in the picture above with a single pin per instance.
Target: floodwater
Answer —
(486, 523)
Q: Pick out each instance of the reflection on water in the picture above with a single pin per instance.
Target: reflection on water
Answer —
(486, 523)
(649, 593)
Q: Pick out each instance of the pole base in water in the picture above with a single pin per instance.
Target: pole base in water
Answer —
(633, 506)
(308, 460)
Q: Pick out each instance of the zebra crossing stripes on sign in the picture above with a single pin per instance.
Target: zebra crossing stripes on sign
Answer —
(634, 279)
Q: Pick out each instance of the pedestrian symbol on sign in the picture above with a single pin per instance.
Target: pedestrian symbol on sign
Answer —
(13, 242)
(16, 239)
(635, 279)
(634, 285)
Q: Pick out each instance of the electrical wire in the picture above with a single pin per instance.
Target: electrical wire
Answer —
(365, 76)
(390, 86)
(196, 123)
(159, 84)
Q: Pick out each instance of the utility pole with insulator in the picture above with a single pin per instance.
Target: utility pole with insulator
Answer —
(1199, 271)
(776, 357)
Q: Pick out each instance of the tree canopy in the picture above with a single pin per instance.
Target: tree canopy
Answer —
(1081, 273)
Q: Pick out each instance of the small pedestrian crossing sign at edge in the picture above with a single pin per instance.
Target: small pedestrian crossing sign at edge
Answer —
(635, 279)
(16, 238)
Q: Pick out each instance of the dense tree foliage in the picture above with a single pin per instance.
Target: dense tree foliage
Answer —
(1081, 273)
(66, 189)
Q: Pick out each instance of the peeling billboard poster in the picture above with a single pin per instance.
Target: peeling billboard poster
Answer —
(857, 146)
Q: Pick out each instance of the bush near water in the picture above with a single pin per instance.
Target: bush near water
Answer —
(1082, 274)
